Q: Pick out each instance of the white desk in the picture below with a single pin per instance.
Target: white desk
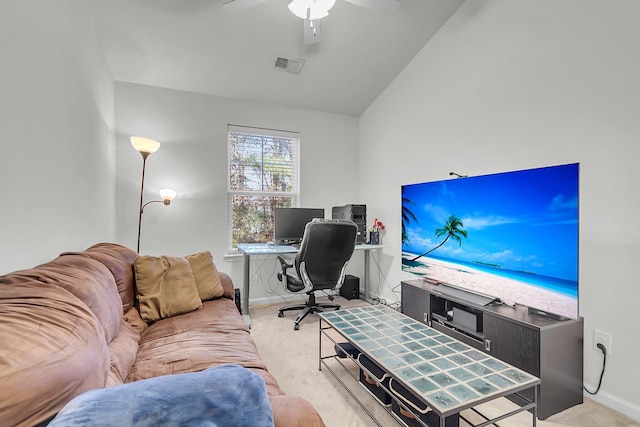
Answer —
(249, 249)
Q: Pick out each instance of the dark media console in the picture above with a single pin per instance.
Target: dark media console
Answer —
(544, 346)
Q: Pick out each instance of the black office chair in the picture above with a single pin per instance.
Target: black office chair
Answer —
(327, 246)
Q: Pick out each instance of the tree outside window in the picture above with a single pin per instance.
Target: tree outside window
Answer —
(263, 175)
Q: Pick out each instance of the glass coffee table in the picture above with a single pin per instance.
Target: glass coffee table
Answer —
(444, 374)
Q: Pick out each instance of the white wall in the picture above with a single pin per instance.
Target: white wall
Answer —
(192, 159)
(56, 133)
(505, 85)
(509, 85)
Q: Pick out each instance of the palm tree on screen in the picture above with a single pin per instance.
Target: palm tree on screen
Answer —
(407, 217)
(452, 229)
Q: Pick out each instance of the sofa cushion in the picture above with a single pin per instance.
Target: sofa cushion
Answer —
(119, 260)
(206, 275)
(215, 335)
(52, 349)
(132, 317)
(227, 395)
(166, 287)
(89, 280)
(122, 351)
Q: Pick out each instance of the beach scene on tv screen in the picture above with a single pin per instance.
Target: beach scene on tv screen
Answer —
(512, 236)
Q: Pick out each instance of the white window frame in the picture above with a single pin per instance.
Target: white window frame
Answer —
(294, 194)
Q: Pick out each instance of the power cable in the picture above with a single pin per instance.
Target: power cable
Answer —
(604, 362)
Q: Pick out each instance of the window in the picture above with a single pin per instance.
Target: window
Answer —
(263, 175)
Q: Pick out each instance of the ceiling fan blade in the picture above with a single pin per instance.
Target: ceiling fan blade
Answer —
(382, 6)
(238, 5)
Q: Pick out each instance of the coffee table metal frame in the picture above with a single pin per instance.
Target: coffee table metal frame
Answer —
(446, 375)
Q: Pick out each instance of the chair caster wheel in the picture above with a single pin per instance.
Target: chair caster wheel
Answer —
(296, 327)
(280, 314)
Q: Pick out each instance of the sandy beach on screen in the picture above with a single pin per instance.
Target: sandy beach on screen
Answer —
(489, 284)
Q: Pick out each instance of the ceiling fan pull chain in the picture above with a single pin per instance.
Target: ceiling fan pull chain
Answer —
(312, 26)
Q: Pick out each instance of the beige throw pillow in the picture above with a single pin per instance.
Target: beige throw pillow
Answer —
(206, 274)
(166, 287)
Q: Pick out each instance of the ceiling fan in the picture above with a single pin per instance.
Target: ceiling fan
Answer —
(313, 10)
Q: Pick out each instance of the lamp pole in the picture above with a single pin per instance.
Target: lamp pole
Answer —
(144, 146)
(144, 164)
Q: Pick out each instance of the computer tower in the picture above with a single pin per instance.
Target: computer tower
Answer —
(350, 287)
(355, 213)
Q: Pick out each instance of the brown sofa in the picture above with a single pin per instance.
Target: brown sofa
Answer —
(72, 324)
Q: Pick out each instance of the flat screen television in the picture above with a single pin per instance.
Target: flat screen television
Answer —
(289, 223)
(512, 237)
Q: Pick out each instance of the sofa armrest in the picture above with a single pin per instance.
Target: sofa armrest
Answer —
(294, 411)
(227, 285)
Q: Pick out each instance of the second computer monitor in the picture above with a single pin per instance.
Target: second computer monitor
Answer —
(289, 223)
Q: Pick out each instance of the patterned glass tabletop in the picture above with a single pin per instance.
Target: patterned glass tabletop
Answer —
(447, 374)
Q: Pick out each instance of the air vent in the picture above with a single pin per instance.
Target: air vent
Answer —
(289, 65)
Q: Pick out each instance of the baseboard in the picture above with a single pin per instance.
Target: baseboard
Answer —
(271, 300)
(624, 407)
(377, 299)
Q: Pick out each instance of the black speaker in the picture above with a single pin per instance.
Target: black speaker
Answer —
(236, 298)
(350, 287)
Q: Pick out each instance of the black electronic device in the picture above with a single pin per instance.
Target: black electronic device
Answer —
(355, 213)
(350, 287)
(289, 223)
(473, 233)
(236, 298)
(467, 319)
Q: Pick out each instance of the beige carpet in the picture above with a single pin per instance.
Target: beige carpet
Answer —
(292, 357)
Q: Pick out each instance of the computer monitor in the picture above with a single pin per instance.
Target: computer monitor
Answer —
(289, 223)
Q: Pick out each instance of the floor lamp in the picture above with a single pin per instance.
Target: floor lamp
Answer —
(145, 147)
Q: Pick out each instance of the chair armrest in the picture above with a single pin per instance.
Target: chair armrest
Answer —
(284, 264)
(289, 282)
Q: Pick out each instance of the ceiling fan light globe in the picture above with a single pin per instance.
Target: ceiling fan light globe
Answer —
(300, 7)
(312, 9)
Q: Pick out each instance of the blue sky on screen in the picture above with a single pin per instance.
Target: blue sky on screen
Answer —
(524, 220)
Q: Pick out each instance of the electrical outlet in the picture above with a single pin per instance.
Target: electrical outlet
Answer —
(603, 338)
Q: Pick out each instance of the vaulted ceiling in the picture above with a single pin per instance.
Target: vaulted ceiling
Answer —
(200, 46)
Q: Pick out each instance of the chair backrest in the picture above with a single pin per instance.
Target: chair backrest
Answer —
(327, 247)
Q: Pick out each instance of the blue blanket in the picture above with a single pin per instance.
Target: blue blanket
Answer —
(227, 395)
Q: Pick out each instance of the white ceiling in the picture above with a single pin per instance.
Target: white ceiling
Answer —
(198, 46)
